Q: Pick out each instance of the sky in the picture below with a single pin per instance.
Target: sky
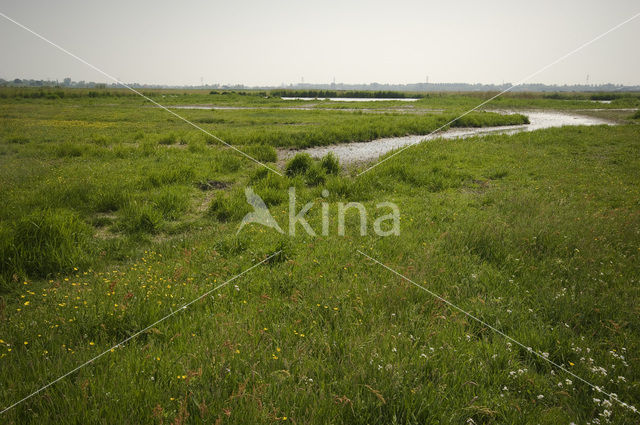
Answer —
(257, 42)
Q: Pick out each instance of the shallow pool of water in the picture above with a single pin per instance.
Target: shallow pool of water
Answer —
(368, 151)
(353, 99)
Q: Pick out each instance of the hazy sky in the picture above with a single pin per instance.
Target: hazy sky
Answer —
(270, 42)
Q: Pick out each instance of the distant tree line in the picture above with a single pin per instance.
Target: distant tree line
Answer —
(596, 96)
(333, 89)
(61, 93)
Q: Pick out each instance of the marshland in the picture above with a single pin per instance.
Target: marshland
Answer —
(116, 213)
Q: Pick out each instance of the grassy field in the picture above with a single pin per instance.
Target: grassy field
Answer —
(116, 214)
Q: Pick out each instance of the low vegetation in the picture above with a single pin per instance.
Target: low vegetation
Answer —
(104, 230)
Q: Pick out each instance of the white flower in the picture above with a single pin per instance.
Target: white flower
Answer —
(540, 396)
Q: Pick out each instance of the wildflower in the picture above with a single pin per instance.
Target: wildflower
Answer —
(92, 343)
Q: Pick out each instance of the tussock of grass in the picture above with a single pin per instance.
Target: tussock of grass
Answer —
(44, 243)
(171, 202)
(108, 198)
(330, 164)
(139, 218)
(68, 150)
(298, 165)
(229, 206)
(168, 139)
(315, 175)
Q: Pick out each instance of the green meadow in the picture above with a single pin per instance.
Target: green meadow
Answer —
(115, 214)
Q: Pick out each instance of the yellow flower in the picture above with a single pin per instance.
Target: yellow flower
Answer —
(278, 349)
(91, 343)
(25, 343)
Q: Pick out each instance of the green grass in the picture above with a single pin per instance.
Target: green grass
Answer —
(535, 233)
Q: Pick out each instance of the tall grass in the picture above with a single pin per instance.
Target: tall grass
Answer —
(43, 243)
